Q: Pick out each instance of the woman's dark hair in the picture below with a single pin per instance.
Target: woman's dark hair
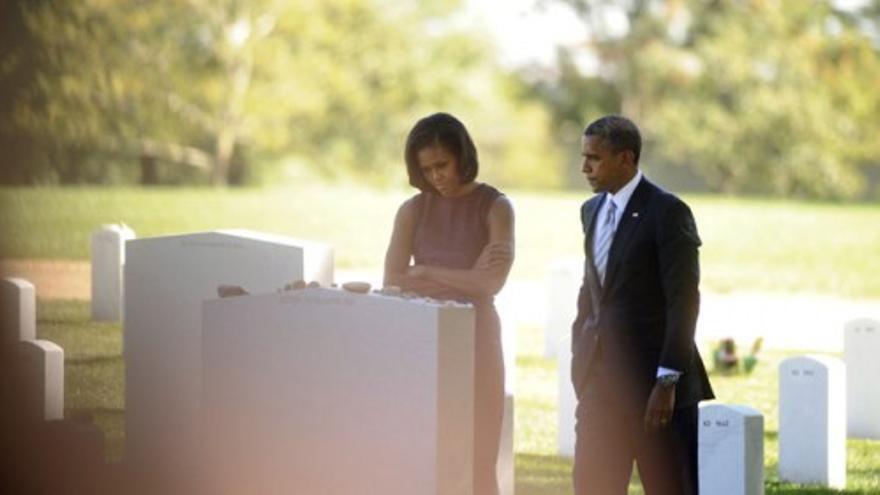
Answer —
(447, 131)
(619, 133)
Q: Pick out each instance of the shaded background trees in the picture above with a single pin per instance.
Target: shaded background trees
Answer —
(770, 97)
(735, 96)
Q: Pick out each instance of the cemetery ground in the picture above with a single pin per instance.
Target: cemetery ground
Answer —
(749, 244)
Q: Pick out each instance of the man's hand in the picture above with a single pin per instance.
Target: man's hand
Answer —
(661, 404)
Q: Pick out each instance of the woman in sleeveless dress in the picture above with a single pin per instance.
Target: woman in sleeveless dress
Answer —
(455, 240)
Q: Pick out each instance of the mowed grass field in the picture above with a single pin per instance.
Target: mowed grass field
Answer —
(748, 244)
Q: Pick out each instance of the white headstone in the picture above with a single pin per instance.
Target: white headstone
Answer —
(731, 450)
(18, 316)
(567, 402)
(319, 391)
(509, 315)
(506, 457)
(41, 372)
(812, 421)
(563, 284)
(108, 260)
(862, 356)
(166, 280)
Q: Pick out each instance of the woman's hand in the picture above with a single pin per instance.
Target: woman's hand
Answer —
(417, 271)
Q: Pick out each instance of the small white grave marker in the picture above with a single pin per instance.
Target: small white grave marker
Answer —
(563, 283)
(18, 320)
(812, 421)
(861, 349)
(41, 375)
(731, 450)
(108, 260)
(567, 402)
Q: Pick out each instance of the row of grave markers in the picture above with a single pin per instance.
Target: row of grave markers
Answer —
(184, 389)
(861, 346)
(34, 368)
(814, 393)
(40, 450)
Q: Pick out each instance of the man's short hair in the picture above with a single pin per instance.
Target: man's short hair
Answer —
(618, 132)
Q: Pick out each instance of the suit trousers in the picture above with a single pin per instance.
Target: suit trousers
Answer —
(610, 438)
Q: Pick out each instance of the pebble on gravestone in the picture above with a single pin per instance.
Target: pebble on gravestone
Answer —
(812, 421)
(108, 260)
(167, 279)
(731, 450)
(861, 350)
(302, 386)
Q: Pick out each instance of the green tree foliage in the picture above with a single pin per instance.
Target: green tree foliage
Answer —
(767, 96)
(202, 90)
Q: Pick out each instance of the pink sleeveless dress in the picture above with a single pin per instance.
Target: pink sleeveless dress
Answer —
(452, 232)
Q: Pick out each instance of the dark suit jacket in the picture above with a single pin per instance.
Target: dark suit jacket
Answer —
(645, 316)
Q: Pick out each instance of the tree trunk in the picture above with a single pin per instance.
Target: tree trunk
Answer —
(149, 170)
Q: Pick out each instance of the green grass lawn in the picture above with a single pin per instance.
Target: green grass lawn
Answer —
(749, 244)
(95, 386)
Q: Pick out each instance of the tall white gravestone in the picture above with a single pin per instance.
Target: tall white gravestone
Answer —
(566, 402)
(320, 391)
(731, 450)
(166, 281)
(861, 349)
(510, 314)
(18, 312)
(563, 283)
(108, 260)
(812, 421)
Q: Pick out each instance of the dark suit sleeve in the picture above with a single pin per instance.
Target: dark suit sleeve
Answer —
(584, 302)
(678, 245)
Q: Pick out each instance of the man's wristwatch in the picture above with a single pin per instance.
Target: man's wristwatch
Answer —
(668, 380)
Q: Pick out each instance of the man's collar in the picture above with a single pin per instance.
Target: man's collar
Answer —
(621, 198)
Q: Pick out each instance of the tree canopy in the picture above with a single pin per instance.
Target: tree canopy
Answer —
(761, 96)
(202, 90)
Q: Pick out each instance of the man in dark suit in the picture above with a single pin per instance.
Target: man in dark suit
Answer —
(635, 368)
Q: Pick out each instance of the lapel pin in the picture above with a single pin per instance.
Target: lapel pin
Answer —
(635, 214)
